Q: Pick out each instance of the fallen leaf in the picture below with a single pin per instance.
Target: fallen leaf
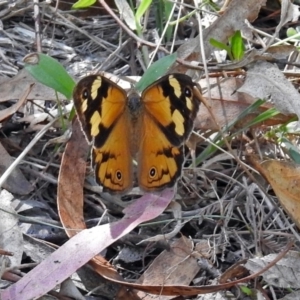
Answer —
(289, 12)
(13, 88)
(284, 177)
(227, 103)
(5, 113)
(265, 81)
(83, 247)
(70, 181)
(16, 183)
(291, 296)
(176, 266)
(11, 235)
(285, 274)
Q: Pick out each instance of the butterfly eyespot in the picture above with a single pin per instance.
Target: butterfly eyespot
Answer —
(187, 92)
(152, 172)
(119, 175)
(85, 94)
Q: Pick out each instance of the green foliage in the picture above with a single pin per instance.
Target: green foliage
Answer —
(50, 72)
(167, 9)
(247, 291)
(235, 48)
(293, 33)
(83, 4)
(155, 71)
(292, 150)
(141, 10)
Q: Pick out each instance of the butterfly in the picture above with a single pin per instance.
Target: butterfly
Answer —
(150, 128)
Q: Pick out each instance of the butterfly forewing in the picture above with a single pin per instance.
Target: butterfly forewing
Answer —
(173, 104)
(101, 108)
(99, 103)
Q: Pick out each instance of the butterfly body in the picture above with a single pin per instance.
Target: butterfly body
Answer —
(150, 128)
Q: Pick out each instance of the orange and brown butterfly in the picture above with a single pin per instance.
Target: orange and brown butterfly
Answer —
(151, 128)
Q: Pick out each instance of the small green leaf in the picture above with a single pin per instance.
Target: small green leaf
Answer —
(218, 44)
(292, 150)
(246, 290)
(168, 6)
(83, 4)
(237, 46)
(266, 115)
(156, 70)
(144, 5)
(50, 72)
(291, 31)
(221, 46)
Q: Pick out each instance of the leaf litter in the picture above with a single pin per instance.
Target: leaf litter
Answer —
(234, 206)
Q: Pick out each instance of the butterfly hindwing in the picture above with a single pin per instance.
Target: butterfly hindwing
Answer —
(113, 160)
(159, 162)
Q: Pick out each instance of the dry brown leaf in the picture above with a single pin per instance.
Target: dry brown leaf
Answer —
(16, 182)
(5, 113)
(13, 88)
(71, 180)
(177, 290)
(284, 177)
(227, 104)
(11, 234)
(285, 274)
(174, 267)
(265, 81)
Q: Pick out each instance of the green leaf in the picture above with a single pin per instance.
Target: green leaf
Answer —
(50, 72)
(266, 115)
(292, 150)
(144, 5)
(291, 31)
(218, 44)
(83, 4)
(237, 46)
(156, 70)
(221, 46)
(246, 290)
(168, 6)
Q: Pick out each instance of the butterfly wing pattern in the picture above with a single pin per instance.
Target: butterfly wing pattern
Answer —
(170, 107)
(101, 108)
(164, 117)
